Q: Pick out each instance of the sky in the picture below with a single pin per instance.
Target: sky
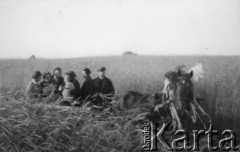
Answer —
(79, 28)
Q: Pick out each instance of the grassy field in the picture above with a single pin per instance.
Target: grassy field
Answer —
(220, 89)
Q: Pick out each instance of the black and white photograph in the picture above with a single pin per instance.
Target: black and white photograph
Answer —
(119, 75)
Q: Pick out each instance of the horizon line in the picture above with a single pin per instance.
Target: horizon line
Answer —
(131, 55)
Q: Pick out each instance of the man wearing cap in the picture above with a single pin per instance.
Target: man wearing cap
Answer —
(102, 84)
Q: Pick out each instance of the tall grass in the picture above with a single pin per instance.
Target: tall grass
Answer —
(51, 128)
(27, 127)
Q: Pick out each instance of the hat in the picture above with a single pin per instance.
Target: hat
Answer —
(72, 74)
(87, 70)
(36, 74)
(101, 68)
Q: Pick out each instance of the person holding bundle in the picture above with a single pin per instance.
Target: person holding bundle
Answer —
(34, 90)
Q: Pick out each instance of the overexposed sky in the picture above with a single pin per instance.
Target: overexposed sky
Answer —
(75, 28)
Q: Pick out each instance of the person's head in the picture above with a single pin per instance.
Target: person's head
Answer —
(47, 77)
(57, 72)
(37, 75)
(184, 77)
(86, 72)
(67, 78)
(184, 90)
(72, 74)
(101, 72)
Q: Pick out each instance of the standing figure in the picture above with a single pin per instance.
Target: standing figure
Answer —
(57, 80)
(103, 85)
(87, 89)
(33, 90)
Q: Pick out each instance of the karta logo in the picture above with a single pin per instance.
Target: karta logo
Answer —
(180, 140)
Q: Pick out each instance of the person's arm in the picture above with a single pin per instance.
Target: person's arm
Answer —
(68, 95)
(77, 87)
(82, 93)
(29, 93)
(96, 85)
(109, 90)
(28, 90)
(59, 86)
(112, 90)
(76, 91)
(192, 94)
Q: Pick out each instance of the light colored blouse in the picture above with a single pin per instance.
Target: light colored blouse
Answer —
(33, 89)
(66, 90)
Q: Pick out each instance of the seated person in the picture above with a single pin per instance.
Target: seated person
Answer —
(77, 91)
(66, 93)
(88, 88)
(57, 81)
(103, 86)
(34, 90)
(46, 84)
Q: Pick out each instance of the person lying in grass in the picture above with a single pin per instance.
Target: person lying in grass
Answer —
(34, 90)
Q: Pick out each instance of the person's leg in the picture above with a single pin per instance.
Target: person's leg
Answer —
(175, 116)
(190, 109)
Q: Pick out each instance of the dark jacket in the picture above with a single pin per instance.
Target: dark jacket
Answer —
(44, 84)
(46, 88)
(57, 84)
(104, 86)
(87, 89)
(77, 91)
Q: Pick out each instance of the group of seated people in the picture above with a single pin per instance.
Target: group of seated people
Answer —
(68, 87)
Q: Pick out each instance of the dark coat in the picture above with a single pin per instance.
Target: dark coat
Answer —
(104, 86)
(87, 89)
(77, 91)
(44, 84)
(46, 88)
(57, 84)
